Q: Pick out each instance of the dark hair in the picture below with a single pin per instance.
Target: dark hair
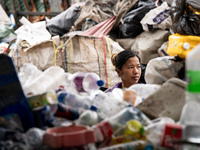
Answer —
(119, 59)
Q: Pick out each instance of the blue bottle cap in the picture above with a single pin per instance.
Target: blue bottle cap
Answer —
(100, 82)
(149, 147)
(93, 108)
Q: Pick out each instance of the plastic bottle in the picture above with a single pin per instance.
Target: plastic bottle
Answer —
(162, 132)
(89, 117)
(116, 124)
(107, 104)
(67, 112)
(76, 101)
(87, 82)
(191, 110)
(47, 98)
(50, 79)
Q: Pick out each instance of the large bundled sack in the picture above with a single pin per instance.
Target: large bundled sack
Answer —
(185, 17)
(160, 69)
(91, 54)
(167, 101)
(157, 18)
(82, 53)
(153, 40)
(41, 54)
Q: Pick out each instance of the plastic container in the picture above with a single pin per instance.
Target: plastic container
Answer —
(87, 82)
(181, 45)
(70, 136)
(116, 124)
(67, 112)
(89, 117)
(48, 98)
(162, 131)
(191, 110)
(50, 79)
(76, 101)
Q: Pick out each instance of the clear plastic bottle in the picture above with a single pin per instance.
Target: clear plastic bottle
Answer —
(50, 79)
(89, 117)
(191, 110)
(87, 82)
(76, 101)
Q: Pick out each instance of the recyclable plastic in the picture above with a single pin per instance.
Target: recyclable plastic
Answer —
(47, 98)
(66, 112)
(108, 104)
(162, 131)
(181, 45)
(34, 137)
(116, 124)
(69, 136)
(87, 82)
(89, 117)
(44, 116)
(191, 110)
(27, 73)
(143, 90)
(50, 79)
(76, 101)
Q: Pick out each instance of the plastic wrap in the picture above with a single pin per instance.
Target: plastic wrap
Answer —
(63, 22)
(185, 17)
(131, 26)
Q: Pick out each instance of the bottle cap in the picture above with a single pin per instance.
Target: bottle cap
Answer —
(186, 46)
(100, 82)
(133, 126)
(93, 108)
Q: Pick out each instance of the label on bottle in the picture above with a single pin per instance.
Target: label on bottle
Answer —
(78, 81)
(171, 132)
(105, 129)
(42, 99)
(193, 78)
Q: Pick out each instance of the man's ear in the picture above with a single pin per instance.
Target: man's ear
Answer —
(118, 72)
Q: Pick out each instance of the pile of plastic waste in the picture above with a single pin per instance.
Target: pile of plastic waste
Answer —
(70, 111)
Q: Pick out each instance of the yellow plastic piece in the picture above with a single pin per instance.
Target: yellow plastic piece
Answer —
(133, 126)
(181, 45)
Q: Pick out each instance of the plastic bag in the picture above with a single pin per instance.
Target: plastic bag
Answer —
(185, 17)
(63, 22)
(157, 18)
(131, 26)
